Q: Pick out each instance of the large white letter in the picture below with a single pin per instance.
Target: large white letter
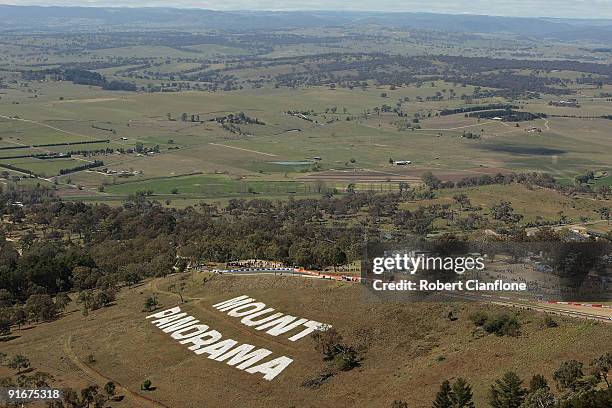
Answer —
(248, 320)
(165, 313)
(311, 326)
(255, 307)
(272, 368)
(230, 304)
(202, 339)
(281, 325)
(165, 320)
(242, 355)
(215, 350)
(199, 329)
(179, 324)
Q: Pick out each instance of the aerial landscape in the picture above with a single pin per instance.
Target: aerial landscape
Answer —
(208, 206)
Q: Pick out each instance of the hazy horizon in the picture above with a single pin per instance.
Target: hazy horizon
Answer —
(595, 9)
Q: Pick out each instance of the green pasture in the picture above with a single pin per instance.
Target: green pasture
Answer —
(565, 147)
(207, 185)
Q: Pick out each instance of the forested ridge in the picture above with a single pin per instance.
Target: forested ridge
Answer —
(73, 246)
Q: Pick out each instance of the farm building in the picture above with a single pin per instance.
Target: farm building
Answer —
(533, 129)
(570, 103)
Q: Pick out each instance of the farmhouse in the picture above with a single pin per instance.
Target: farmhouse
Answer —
(570, 103)
(533, 129)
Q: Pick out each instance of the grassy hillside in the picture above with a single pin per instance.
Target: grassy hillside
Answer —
(407, 348)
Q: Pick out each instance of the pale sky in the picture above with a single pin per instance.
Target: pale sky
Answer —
(523, 8)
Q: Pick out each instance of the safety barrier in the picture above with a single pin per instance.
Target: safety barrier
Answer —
(302, 271)
(555, 302)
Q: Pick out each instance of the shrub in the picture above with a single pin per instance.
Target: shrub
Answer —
(19, 362)
(146, 385)
(346, 358)
(568, 375)
(110, 388)
(329, 343)
(326, 342)
(550, 322)
(317, 381)
(479, 318)
(150, 304)
(503, 325)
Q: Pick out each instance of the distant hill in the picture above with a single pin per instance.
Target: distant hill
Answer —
(19, 18)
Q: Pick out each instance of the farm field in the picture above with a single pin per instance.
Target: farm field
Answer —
(564, 148)
(401, 209)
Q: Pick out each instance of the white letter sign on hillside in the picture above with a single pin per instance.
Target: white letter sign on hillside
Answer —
(275, 324)
(200, 339)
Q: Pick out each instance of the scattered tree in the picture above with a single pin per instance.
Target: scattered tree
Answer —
(19, 362)
(507, 392)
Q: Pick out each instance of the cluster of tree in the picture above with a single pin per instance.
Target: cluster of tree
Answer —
(604, 213)
(18, 362)
(89, 397)
(79, 76)
(113, 131)
(512, 85)
(503, 77)
(41, 156)
(25, 376)
(126, 244)
(37, 308)
(468, 109)
(17, 168)
(56, 144)
(142, 149)
(503, 211)
(577, 389)
(97, 299)
(85, 77)
(536, 179)
(331, 345)
(95, 163)
(500, 77)
(94, 152)
(14, 147)
(507, 115)
(502, 325)
(194, 117)
(238, 119)
(338, 355)
(420, 221)
(140, 239)
(470, 222)
(470, 135)
(585, 178)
